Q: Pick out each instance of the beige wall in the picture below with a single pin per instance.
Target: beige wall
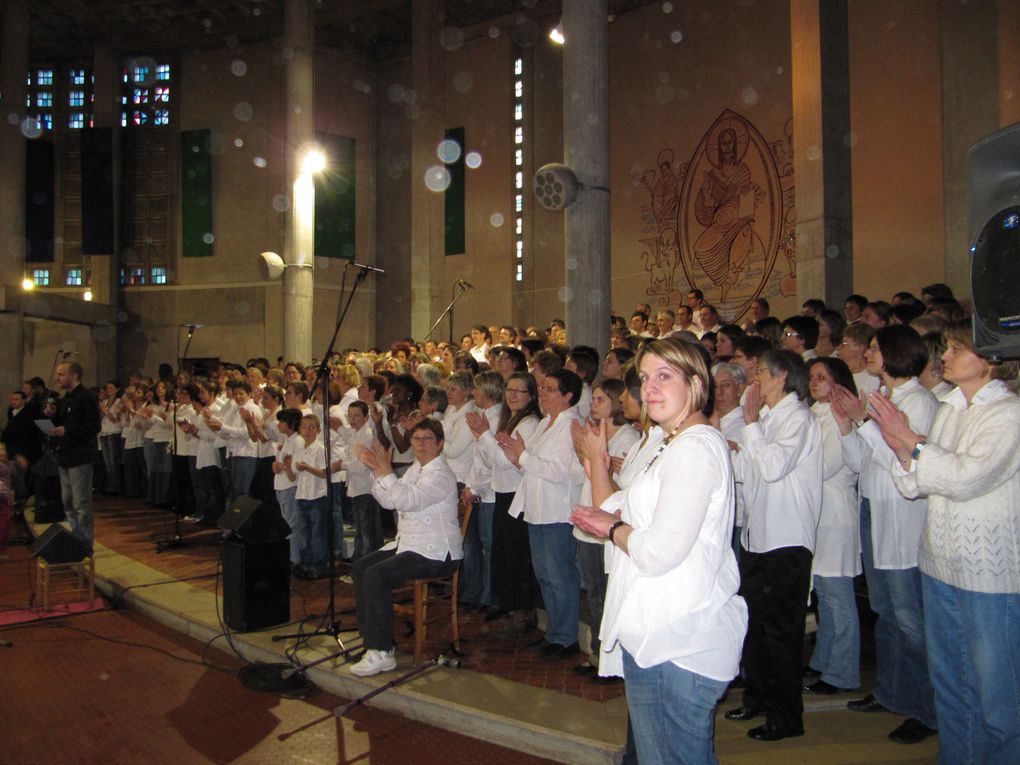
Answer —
(896, 119)
(226, 292)
(666, 95)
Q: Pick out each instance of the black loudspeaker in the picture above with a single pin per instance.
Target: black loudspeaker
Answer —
(57, 545)
(993, 196)
(254, 520)
(256, 584)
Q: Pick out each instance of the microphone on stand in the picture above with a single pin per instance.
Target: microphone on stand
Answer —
(365, 267)
(465, 285)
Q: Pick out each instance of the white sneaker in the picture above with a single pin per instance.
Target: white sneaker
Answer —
(374, 662)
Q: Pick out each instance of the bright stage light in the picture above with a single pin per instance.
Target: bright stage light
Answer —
(313, 162)
(27, 284)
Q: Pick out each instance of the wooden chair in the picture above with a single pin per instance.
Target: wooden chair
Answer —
(422, 599)
(77, 579)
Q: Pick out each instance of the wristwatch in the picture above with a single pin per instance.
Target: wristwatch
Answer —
(918, 447)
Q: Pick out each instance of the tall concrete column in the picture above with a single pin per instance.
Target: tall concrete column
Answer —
(106, 268)
(299, 225)
(13, 66)
(821, 143)
(586, 152)
(428, 269)
(970, 111)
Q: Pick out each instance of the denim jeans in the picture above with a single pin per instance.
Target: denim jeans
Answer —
(368, 536)
(76, 493)
(338, 495)
(376, 575)
(242, 473)
(287, 500)
(902, 683)
(312, 517)
(113, 458)
(476, 572)
(672, 711)
(974, 656)
(554, 556)
(591, 562)
(837, 653)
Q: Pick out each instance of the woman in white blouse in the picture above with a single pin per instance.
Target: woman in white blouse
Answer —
(969, 468)
(547, 493)
(511, 553)
(606, 407)
(837, 558)
(428, 539)
(891, 528)
(673, 623)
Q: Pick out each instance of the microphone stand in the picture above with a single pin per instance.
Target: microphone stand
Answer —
(449, 309)
(330, 624)
(177, 541)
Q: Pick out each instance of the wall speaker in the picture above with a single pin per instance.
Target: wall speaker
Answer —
(555, 186)
(993, 196)
(58, 545)
(256, 584)
(254, 520)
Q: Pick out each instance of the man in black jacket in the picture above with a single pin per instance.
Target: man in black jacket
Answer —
(77, 425)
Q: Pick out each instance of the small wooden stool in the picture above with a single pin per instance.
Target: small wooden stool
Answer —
(77, 578)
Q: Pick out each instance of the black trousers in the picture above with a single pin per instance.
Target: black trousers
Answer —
(376, 576)
(512, 577)
(775, 585)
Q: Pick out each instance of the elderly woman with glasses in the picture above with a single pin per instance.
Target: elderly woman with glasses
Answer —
(968, 466)
(673, 622)
(428, 541)
(546, 494)
(780, 465)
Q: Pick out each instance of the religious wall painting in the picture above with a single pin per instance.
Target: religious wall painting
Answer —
(723, 221)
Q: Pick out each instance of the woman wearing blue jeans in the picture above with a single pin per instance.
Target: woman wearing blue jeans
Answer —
(673, 624)
(969, 468)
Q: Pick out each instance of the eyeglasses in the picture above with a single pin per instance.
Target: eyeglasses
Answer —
(549, 389)
(791, 333)
(423, 439)
(517, 391)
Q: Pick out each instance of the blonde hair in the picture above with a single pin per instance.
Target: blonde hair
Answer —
(686, 359)
(962, 334)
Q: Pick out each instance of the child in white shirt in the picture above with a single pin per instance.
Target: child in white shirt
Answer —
(309, 470)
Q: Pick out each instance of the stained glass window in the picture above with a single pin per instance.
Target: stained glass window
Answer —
(147, 93)
(158, 275)
(75, 277)
(41, 277)
(518, 70)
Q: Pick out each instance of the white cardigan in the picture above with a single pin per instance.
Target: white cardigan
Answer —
(970, 471)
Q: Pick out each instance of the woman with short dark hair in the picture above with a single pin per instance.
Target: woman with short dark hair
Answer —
(891, 527)
(428, 541)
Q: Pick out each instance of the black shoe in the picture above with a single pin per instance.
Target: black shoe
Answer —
(743, 713)
(867, 704)
(913, 731)
(585, 668)
(604, 679)
(769, 732)
(537, 645)
(821, 688)
(555, 651)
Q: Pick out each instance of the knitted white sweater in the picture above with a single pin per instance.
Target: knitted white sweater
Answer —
(970, 472)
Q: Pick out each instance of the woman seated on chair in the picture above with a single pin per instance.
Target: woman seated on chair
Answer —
(428, 542)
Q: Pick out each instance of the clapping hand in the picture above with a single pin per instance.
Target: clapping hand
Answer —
(512, 446)
(752, 402)
(378, 459)
(894, 425)
(478, 423)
